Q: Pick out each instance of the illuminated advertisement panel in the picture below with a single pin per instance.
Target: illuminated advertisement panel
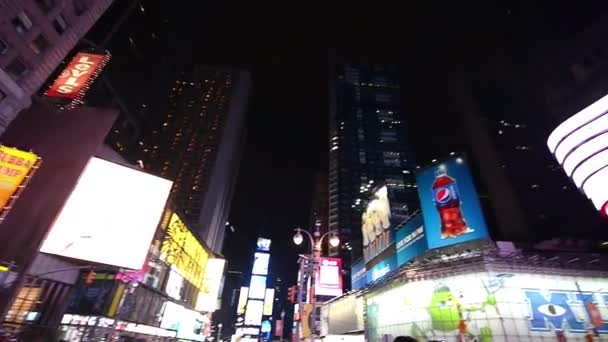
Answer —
(15, 167)
(187, 323)
(410, 241)
(376, 224)
(263, 245)
(243, 295)
(358, 275)
(78, 76)
(329, 277)
(580, 145)
(382, 268)
(182, 249)
(450, 206)
(207, 297)
(175, 282)
(253, 315)
(268, 302)
(110, 217)
(257, 288)
(491, 307)
(260, 263)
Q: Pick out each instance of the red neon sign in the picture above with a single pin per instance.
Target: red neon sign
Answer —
(76, 78)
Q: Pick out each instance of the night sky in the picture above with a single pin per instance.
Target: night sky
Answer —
(286, 46)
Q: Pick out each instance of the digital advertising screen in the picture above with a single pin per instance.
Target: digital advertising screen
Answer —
(358, 275)
(172, 315)
(268, 302)
(410, 240)
(253, 314)
(376, 224)
(110, 217)
(243, 295)
(263, 245)
(260, 263)
(174, 284)
(450, 206)
(257, 287)
(329, 277)
(210, 291)
(382, 268)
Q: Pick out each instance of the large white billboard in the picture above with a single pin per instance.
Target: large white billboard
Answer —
(110, 216)
(580, 145)
(253, 315)
(491, 307)
(212, 281)
(257, 287)
(260, 263)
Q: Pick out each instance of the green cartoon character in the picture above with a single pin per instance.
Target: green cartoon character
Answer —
(449, 315)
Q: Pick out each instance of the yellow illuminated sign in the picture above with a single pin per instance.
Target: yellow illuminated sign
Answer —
(181, 249)
(15, 165)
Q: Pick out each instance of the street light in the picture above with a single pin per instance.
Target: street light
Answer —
(298, 238)
(334, 240)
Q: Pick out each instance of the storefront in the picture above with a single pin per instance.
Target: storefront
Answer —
(490, 300)
(92, 328)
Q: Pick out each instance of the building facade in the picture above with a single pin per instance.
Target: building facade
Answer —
(35, 37)
(368, 148)
(197, 142)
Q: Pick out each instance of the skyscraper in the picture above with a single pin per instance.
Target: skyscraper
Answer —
(369, 148)
(35, 38)
(197, 142)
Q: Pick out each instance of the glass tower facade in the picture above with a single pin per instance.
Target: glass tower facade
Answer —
(368, 147)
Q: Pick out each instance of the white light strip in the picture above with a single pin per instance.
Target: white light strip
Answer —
(596, 188)
(580, 136)
(586, 150)
(576, 121)
(590, 166)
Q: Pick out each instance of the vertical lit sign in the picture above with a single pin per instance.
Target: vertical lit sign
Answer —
(253, 315)
(329, 277)
(257, 287)
(15, 167)
(268, 302)
(77, 77)
(376, 224)
(450, 206)
(260, 263)
(410, 240)
(263, 245)
(243, 295)
(580, 145)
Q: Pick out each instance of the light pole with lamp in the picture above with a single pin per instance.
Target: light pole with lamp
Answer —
(316, 240)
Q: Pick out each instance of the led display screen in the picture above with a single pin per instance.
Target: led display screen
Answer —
(260, 263)
(410, 240)
(263, 245)
(110, 216)
(208, 296)
(329, 277)
(243, 295)
(358, 275)
(450, 205)
(268, 302)
(253, 315)
(257, 288)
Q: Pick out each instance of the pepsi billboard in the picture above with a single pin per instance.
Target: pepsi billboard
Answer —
(410, 240)
(450, 208)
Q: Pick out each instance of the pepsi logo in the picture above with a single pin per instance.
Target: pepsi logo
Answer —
(442, 195)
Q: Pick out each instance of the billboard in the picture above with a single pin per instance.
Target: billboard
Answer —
(174, 284)
(580, 145)
(253, 314)
(382, 268)
(187, 323)
(183, 250)
(358, 275)
(487, 306)
(450, 207)
(263, 245)
(212, 281)
(77, 77)
(268, 302)
(110, 217)
(257, 287)
(376, 224)
(243, 295)
(260, 263)
(15, 166)
(329, 277)
(410, 240)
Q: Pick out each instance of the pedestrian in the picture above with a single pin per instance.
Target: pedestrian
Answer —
(405, 339)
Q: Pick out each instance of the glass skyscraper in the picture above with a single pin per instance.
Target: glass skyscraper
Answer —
(369, 147)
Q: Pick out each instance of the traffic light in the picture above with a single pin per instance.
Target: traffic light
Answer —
(90, 278)
(291, 294)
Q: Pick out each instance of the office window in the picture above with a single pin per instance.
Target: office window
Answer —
(383, 97)
(22, 23)
(16, 68)
(46, 5)
(2, 96)
(3, 47)
(39, 45)
(60, 25)
(388, 135)
(391, 159)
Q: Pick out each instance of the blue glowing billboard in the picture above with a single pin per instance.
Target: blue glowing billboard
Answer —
(410, 240)
(358, 274)
(450, 207)
(382, 268)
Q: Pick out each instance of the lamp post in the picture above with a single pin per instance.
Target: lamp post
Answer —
(316, 240)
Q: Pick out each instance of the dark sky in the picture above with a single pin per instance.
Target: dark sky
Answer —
(285, 45)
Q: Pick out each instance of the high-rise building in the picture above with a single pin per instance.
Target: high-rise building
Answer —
(369, 147)
(197, 142)
(35, 37)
